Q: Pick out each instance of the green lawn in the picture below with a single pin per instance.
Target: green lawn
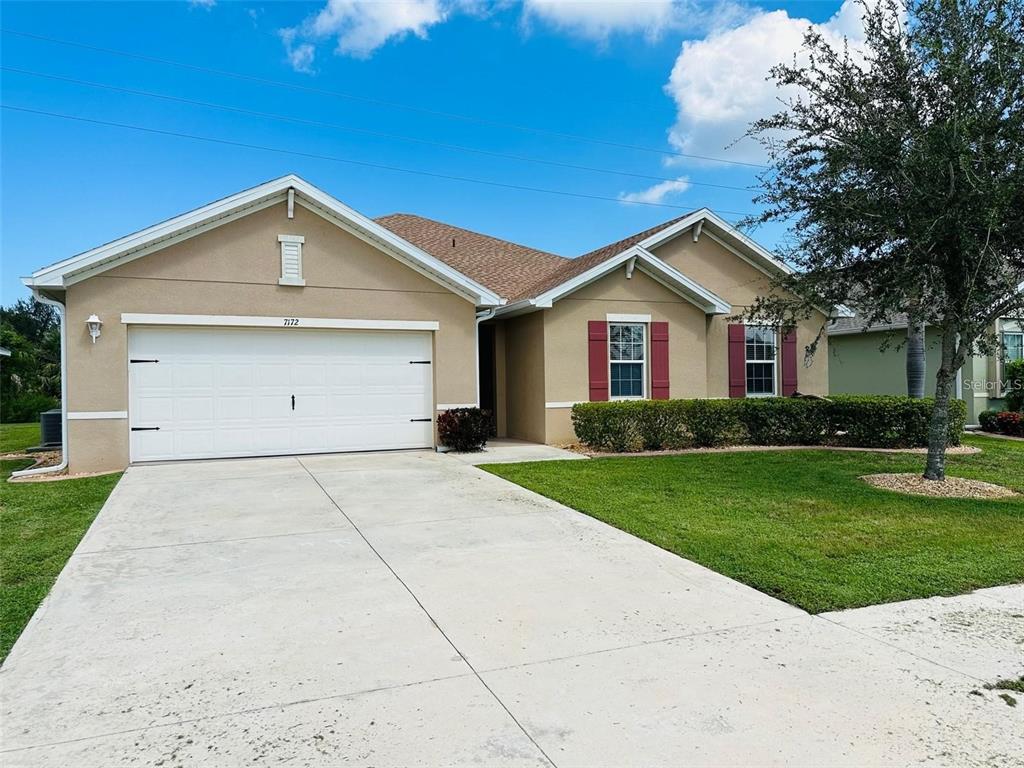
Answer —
(800, 525)
(15, 438)
(40, 525)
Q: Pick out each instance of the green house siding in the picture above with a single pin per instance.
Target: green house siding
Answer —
(858, 366)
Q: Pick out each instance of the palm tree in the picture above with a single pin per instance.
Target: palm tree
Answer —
(915, 359)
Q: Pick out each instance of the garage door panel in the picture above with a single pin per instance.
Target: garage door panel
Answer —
(228, 392)
(234, 375)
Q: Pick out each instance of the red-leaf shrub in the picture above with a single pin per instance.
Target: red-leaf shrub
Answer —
(1010, 423)
(464, 429)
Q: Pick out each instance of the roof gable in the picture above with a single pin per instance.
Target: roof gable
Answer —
(159, 236)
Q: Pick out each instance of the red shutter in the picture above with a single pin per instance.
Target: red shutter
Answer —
(789, 363)
(597, 340)
(659, 361)
(737, 360)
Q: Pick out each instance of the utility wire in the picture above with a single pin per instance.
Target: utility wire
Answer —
(335, 159)
(366, 131)
(371, 100)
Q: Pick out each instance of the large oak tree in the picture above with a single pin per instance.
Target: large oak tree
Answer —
(900, 167)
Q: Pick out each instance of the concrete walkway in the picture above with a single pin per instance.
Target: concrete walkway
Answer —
(408, 609)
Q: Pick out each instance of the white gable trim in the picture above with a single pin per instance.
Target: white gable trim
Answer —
(755, 255)
(146, 241)
(647, 263)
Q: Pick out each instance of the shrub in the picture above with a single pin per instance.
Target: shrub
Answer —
(1015, 385)
(869, 421)
(1010, 423)
(26, 407)
(785, 420)
(613, 426)
(464, 429)
(891, 421)
(988, 422)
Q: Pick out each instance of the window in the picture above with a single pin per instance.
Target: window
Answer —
(761, 355)
(1013, 346)
(627, 354)
(291, 259)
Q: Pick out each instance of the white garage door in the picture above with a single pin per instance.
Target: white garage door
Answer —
(214, 392)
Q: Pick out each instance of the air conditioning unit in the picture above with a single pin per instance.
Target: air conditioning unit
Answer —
(50, 428)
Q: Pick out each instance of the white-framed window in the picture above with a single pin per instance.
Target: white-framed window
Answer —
(627, 358)
(291, 259)
(1013, 345)
(762, 361)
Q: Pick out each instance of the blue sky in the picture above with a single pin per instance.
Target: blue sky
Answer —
(659, 75)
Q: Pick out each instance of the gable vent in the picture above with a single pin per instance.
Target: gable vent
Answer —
(291, 259)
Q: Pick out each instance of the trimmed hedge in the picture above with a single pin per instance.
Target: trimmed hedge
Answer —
(848, 420)
(464, 429)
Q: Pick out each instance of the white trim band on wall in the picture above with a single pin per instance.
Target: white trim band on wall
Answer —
(245, 321)
(568, 404)
(449, 406)
(89, 415)
(611, 318)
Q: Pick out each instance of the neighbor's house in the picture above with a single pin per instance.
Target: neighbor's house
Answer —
(858, 364)
(280, 321)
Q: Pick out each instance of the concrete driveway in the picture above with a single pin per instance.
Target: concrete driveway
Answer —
(409, 609)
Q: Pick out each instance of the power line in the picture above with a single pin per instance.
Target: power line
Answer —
(366, 131)
(372, 100)
(335, 159)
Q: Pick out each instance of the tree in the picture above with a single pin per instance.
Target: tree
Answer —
(901, 165)
(30, 377)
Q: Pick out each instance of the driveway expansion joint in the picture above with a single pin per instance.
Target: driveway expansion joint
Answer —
(433, 621)
(235, 713)
(114, 550)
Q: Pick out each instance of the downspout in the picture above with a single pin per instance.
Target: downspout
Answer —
(62, 311)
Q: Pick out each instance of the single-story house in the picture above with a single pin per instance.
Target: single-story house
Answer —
(858, 364)
(280, 321)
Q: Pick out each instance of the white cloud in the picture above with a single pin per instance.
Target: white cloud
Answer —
(361, 26)
(202, 3)
(600, 19)
(719, 86)
(657, 193)
(597, 19)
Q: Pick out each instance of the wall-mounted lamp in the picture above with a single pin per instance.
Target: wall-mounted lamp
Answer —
(94, 324)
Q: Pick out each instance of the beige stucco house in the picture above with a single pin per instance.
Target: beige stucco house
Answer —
(280, 321)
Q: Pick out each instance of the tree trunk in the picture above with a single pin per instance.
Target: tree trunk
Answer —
(915, 359)
(938, 430)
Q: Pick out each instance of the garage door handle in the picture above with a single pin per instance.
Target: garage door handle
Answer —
(143, 361)
(419, 362)
(145, 429)
(420, 419)
(293, 402)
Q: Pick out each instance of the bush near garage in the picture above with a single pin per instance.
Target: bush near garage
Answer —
(844, 420)
(464, 429)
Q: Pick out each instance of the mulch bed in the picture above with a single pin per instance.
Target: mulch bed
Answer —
(950, 488)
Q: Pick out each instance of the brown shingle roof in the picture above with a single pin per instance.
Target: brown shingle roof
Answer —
(581, 264)
(506, 268)
(511, 270)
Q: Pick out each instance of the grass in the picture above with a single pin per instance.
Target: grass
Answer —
(15, 438)
(1007, 685)
(800, 525)
(40, 526)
